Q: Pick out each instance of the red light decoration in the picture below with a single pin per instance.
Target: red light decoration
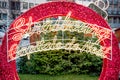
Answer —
(110, 69)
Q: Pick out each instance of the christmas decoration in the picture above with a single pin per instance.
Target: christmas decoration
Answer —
(23, 23)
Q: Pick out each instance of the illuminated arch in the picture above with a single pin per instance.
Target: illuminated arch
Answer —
(110, 68)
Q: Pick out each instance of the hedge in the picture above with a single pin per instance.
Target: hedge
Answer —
(58, 62)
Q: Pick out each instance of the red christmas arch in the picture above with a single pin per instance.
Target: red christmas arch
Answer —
(110, 69)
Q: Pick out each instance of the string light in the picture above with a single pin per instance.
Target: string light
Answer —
(62, 25)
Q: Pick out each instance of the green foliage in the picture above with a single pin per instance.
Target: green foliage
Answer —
(58, 62)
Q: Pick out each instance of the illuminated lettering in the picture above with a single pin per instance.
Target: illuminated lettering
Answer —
(49, 26)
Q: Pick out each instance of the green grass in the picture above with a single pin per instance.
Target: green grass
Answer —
(60, 77)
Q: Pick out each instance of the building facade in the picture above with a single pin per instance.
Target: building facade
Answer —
(114, 13)
(9, 10)
(3, 12)
(27, 4)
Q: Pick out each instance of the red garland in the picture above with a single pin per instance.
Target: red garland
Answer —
(110, 69)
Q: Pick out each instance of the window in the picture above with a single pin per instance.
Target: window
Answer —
(12, 5)
(109, 20)
(25, 5)
(119, 20)
(115, 20)
(109, 12)
(0, 16)
(3, 4)
(115, 2)
(31, 5)
(0, 4)
(15, 5)
(114, 12)
(3, 16)
(119, 12)
(110, 8)
(118, 6)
